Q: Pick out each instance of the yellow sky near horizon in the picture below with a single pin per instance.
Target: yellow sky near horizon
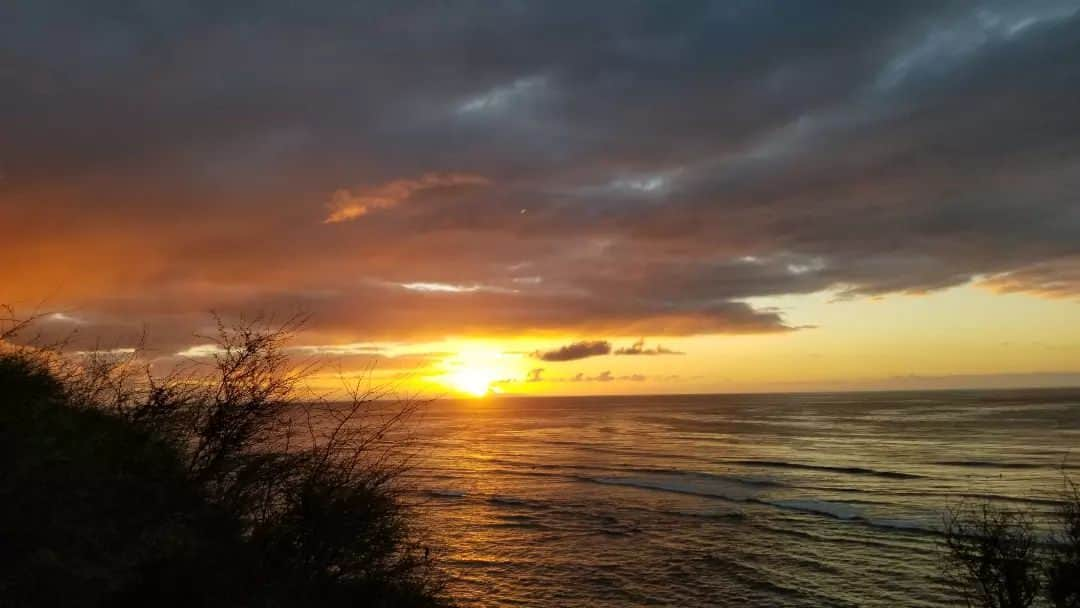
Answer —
(961, 337)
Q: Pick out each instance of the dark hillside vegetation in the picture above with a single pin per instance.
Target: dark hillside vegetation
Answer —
(1003, 558)
(194, 489)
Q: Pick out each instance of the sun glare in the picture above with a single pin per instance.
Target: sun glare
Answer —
(477, 371)
(476, 382)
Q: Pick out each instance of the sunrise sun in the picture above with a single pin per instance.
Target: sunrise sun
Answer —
(474, 381)
(477, 371)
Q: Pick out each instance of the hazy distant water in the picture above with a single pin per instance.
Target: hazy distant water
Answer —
(753, 500)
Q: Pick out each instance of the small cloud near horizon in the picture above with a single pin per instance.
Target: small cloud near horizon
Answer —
(638, 348)
(575, 351)
(604, 376)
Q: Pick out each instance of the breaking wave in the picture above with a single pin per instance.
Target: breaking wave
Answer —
(779, 464)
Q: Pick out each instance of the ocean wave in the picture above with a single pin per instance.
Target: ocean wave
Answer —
(720, 515)
(1048, 502)
(991, 464)
(439, 493)
(753, 481)
(718, 487)
(849, 512)
(511, 501)
(534, 465)
(732, 492)
(902, 524)
(621, 451)
(779, 464)
(520, 525)
(890, 495)
(836, 510)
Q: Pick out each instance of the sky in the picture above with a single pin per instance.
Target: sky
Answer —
(556, 197)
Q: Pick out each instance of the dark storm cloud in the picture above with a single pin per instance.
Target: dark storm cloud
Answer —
(575, 351)
(631, 168)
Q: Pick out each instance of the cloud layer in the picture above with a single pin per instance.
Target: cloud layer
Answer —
(645, 172)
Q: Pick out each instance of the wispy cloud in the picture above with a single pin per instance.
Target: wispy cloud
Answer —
(441, 287)
(348, 205)
(434, 287)
(502, 95)
(201, 350)
(355, 348)
(1053, 279)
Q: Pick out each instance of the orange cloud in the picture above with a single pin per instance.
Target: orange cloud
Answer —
(1052, 279)
(346, 205)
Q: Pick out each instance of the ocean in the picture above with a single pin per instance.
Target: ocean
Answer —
(726, 500)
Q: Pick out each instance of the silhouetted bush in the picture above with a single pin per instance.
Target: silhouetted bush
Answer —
(207, 486)
(996, 558)
(992, 557)
(1063, 560)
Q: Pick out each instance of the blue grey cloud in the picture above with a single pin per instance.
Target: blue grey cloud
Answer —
(646, 166)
